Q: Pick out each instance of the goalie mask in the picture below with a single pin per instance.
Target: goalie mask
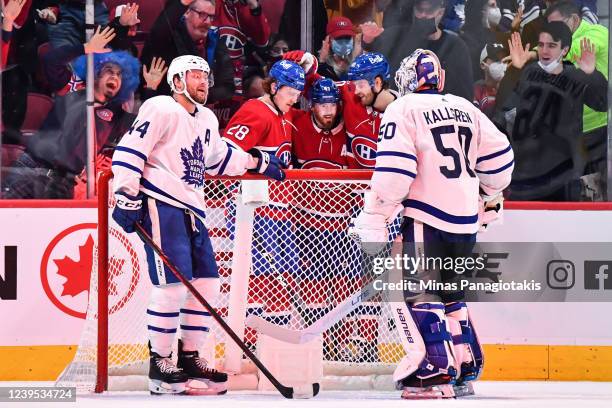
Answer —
(420, 71)
(180, 65)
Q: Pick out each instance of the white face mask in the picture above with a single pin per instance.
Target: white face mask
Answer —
(550, 67)
(492, 17)
(497, 70)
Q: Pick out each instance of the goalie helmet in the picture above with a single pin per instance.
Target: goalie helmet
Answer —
(421, 70)
(324, 91)
(180, 65)
(288, 73)
(368, 66)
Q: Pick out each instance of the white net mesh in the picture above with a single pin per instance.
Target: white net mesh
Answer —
(303, 264)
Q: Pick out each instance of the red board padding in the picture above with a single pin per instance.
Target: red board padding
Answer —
(508, 205)
(48, 203)
(556, 206)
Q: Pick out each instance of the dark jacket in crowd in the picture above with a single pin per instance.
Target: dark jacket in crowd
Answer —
(169, 39)
(450, 49)
(543, 119)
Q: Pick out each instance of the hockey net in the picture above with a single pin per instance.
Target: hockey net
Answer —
(299, 263)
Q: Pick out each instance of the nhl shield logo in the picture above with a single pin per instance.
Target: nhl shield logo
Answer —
(193, 163)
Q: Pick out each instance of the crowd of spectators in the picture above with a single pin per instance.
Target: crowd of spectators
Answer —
(537, 68)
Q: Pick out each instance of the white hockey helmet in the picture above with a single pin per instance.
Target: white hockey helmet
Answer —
(180, 65)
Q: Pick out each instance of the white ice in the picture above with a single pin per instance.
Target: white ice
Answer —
(489, 394)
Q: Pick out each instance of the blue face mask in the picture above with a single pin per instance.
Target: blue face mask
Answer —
(342, 47)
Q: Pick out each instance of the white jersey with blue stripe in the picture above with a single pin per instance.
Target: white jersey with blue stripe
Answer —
(167, 151)
(435, 154)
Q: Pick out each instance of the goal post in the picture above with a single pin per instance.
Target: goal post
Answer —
(287, 259)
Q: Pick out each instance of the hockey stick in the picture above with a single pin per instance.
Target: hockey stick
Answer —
(307, 391)
(314, 330)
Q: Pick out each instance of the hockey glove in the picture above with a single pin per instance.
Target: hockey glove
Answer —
(490, 210)
(370, 230)
(304, 59)
(128, 211)
(269, 165)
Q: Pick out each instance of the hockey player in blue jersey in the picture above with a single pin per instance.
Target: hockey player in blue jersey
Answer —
(443, 163)
(159, 168)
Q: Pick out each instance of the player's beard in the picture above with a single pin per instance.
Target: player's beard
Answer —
(325, 122)
(366, 99)
(199, 97)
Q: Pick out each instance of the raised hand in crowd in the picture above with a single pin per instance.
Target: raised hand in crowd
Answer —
(518, 55)
(47, 15)
(155, 74)
(97, 43)
(586, 62)
(370, 30)
(518, 17)
(129, 15)
(11, 11)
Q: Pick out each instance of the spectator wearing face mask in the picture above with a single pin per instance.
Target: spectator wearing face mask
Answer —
(480, 29)
(340, 48)
(493, 70)
(543, 115)
(398, 42)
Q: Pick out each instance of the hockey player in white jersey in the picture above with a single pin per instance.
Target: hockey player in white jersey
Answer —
(159, 168)
(444, 162)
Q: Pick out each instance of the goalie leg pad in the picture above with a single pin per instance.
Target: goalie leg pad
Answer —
(195, 319)
(468, 349)
(163, 316)
(427, 341)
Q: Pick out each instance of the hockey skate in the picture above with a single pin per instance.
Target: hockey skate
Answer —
(202, 379)
(431, 388)
(463, 386)
(164, 376)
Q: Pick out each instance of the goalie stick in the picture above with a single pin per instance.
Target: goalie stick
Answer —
(287, 392)
(324, 323)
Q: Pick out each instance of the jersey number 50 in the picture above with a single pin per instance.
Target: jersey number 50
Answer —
(464, 136)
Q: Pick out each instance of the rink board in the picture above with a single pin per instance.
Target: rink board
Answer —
(40, 328)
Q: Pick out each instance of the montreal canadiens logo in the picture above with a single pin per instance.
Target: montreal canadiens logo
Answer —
(364, 150)
(67, 265)
(234, 39)
(321, 164)
(284, 153)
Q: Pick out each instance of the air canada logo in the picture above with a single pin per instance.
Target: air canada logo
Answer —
(67, 265)
(193, 162)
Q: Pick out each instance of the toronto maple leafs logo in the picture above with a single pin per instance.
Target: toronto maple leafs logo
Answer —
(193, 163)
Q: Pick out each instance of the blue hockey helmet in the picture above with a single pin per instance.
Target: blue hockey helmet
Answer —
(324, 91)
(420, 71)
(369, 66)
(288, 73)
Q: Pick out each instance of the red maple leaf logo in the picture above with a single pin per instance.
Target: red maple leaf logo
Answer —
(77, 273)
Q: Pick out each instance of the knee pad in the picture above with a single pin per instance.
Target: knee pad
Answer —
(163, 316)
(195, 319)
(427, 341)
(468, 349)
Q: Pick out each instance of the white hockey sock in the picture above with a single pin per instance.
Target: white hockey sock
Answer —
(195, 319)
(163, 316)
